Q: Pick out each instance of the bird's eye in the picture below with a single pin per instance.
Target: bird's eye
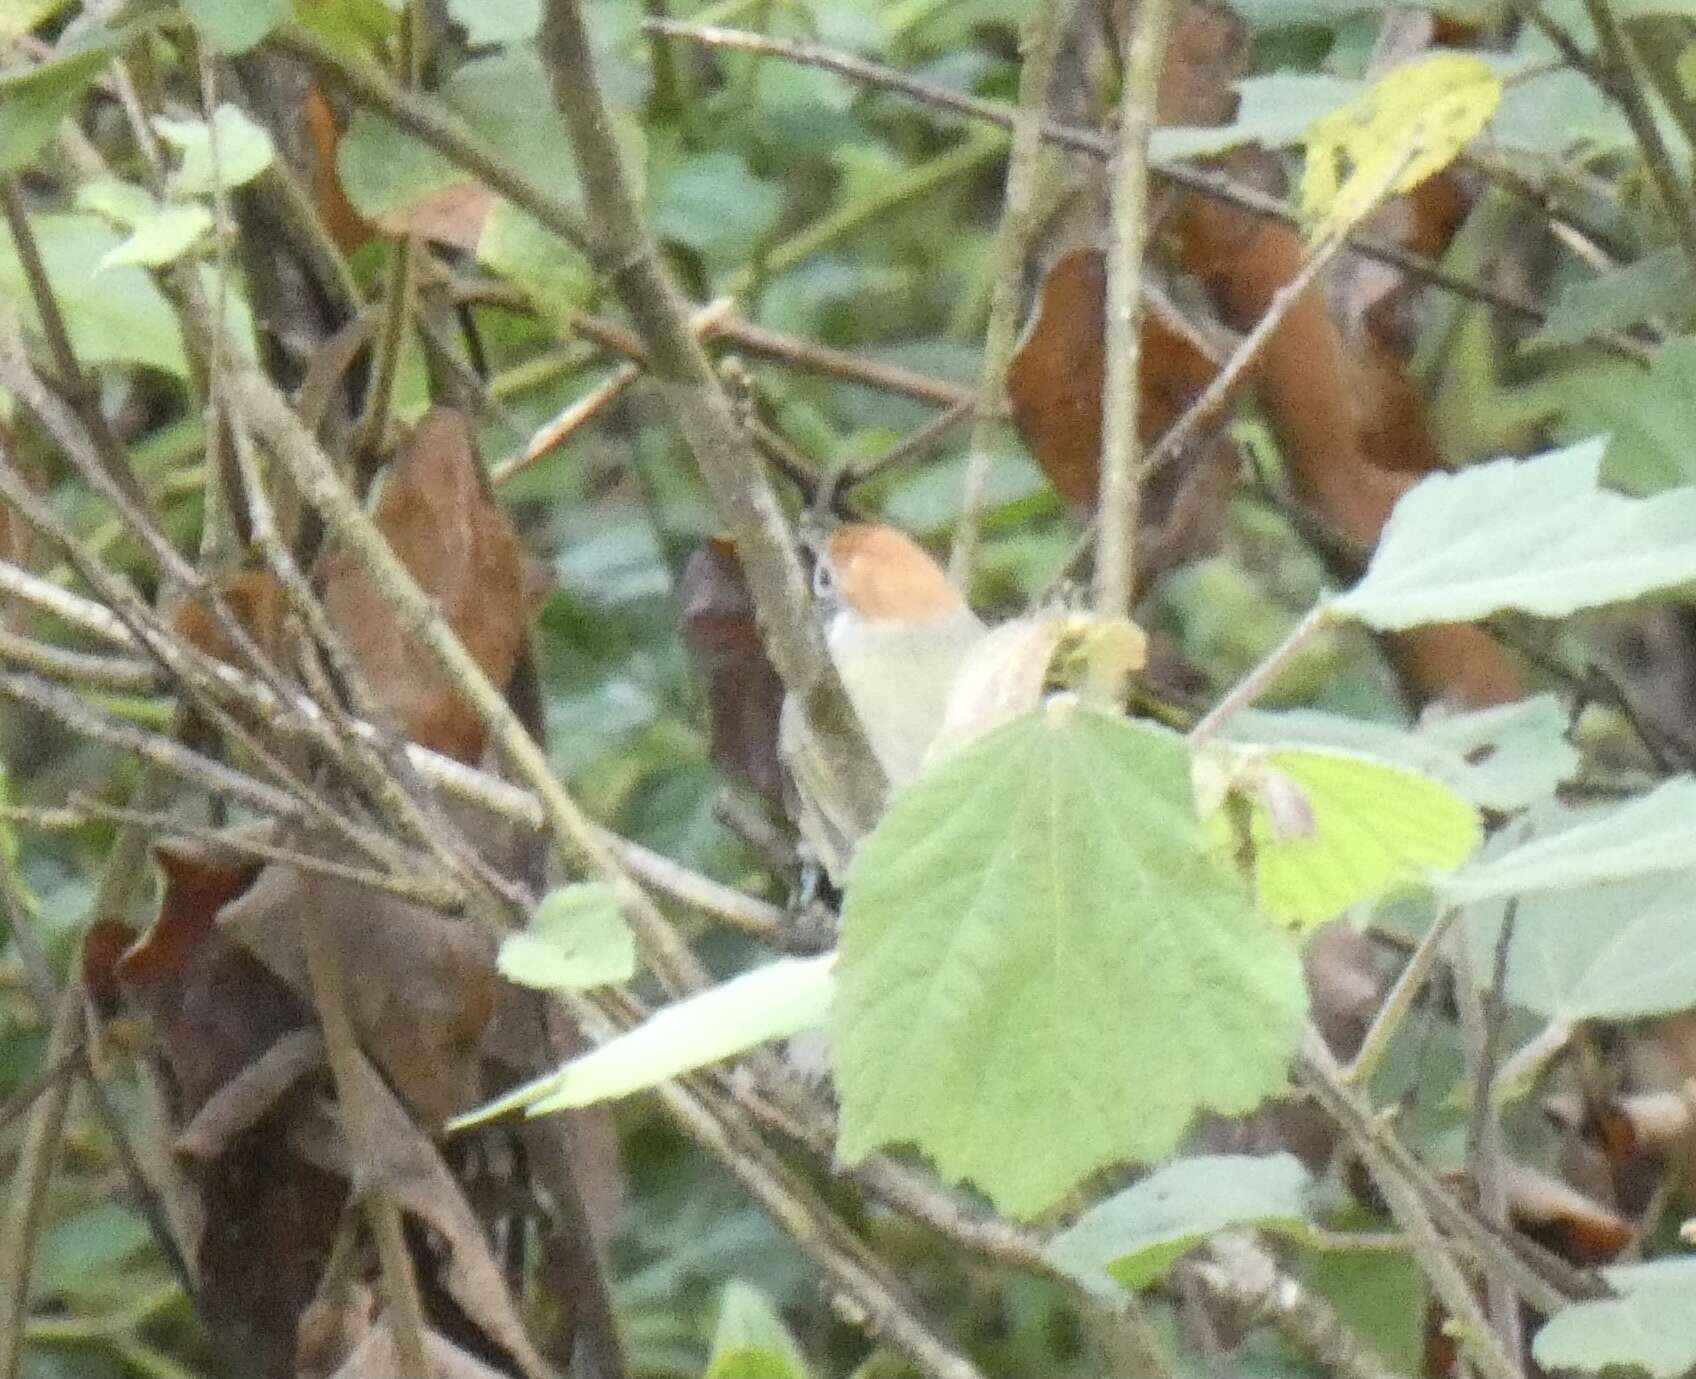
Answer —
(824, 580)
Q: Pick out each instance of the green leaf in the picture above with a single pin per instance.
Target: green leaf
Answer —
(1651, 1326)
(1534, 535)
(234, 26)
(1508, 756)
(163, 237)
(18, 17)
(497, 21)
(33, 99)
(504, 100)
(1616, 300)
(1043, 969)
(1273, 111)
(535, 260)
(353, 28)
(1328, 829)
(714, 204)
(384, 170)
(244, 150)
(114, 317)
(1619, 951)
(1136, 1235)
(1500, 758)
(1410, 124)
(1655, 833)
(93, 1250)
(32, 103)
(751, 1341)
(1648, 414)
(123, 203)
(577, 939)
(771, 1002)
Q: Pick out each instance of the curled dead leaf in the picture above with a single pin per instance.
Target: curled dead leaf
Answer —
(1055, 388)
(744, 694)
(463, 552)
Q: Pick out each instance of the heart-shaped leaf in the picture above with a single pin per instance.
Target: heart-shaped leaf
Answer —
(1044, 970)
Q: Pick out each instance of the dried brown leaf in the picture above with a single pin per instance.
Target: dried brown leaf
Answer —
(1055, 387)
(465, 554)
(427, 1190)
(426, 988)
(744, 694)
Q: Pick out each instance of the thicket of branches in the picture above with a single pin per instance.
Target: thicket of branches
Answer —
(417, 423)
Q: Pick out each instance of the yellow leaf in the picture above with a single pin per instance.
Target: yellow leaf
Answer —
(1408, 125)
(1321, 830)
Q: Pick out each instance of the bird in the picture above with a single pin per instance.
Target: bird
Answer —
(898, 633)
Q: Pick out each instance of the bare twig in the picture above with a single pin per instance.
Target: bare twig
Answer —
(1121, 465)
(432, 124)
(1486, 1145)
(1624, 82)
(623, 252)
(1203, 181)
(75, 384)
(281, 431)
(1530, 1269)
(1260, 679)
(1241, 1275)
(30, 1178)
(360, 1119)
(1224, 384)
(1409, 1207)
(1416, 971)
(1045, 29)
(876, 1304)
(556, 432)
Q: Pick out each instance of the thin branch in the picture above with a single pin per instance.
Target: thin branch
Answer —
(1486, 1144)
(282, 433)
(360, 1121)
(831, 363)
(1045, 30)
(626, 258)
(913, 447)
(1203, 181)
(1122, 466)
(1246, 1279)
(1416, 971)
(431, 123)
(31, 1176)
(1260, 679)
(82, 391)
(1624, 83)
(578, 415)
(397, 315)
(187, 668)
(1409, 1207)
(1224, 384)
(1531, 1269)
(874, 1299)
